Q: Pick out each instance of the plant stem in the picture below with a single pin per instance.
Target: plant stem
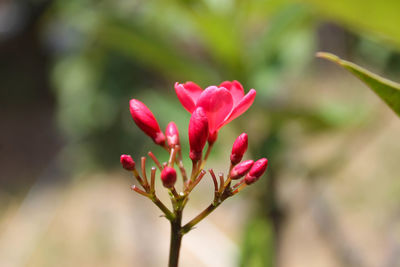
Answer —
(176, 239)
(187, 227)
(167, 212)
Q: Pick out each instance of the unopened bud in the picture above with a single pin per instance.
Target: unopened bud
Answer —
(256, 171)
(168, 177)
(239, 148)
(241, 169)
(127, 162)
(172, 134)
(212, 137)
(198, 133)
(146, 121)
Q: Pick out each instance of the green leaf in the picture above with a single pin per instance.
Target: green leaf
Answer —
(387, 90)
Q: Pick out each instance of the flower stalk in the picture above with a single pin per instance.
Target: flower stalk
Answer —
(211, 109)
(176, 239)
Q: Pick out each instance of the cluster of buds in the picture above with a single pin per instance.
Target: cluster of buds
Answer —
(210, 110)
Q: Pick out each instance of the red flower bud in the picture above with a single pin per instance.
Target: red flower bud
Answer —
(212, 137)
(239, 148)
(198, 133)
(127, 162)
(146, 121)
(168, 177)
(241, 169)
(256, 171)
(172, 134)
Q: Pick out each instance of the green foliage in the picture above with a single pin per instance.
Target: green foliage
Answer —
(118, 50)
(257, 247)
(380, 18)
(387, 90)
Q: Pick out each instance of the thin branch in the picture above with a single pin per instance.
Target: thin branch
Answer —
(198, 179)
(170, 216)
(151, 155)
(138, 178)
(221, 182)
(172, 157)
(187, 227)
(179, 162)
(143, 161)
(152, 179)
(138, 190)
(211, 171)
(240, 188)
(237, 184)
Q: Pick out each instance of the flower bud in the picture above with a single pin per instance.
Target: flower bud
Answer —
(241, 169)
(256, 171)
(212, 137)
(239, 148)
(198, 133)
(146, 121)
(127, 162)
(172, 134)
(168, 177)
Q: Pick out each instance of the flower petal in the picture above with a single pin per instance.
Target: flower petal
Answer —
(236, 90)
(217, 102)
(188, 94)
(240, 108)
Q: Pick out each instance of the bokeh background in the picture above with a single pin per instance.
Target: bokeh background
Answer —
(331, 195)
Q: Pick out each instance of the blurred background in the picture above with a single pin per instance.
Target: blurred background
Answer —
(331, 194)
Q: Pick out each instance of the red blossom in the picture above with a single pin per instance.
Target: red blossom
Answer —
(222, 103)
(146, 121)
(239, 148)
(198, 133)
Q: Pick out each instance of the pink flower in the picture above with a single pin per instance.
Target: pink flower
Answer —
(239, 148)
(146, 121)
(222, 103)
(198, 133)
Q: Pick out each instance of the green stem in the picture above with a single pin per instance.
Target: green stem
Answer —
(208, 152)
(206, 156)
(170, 216)
(176, 239)
(187, 227)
